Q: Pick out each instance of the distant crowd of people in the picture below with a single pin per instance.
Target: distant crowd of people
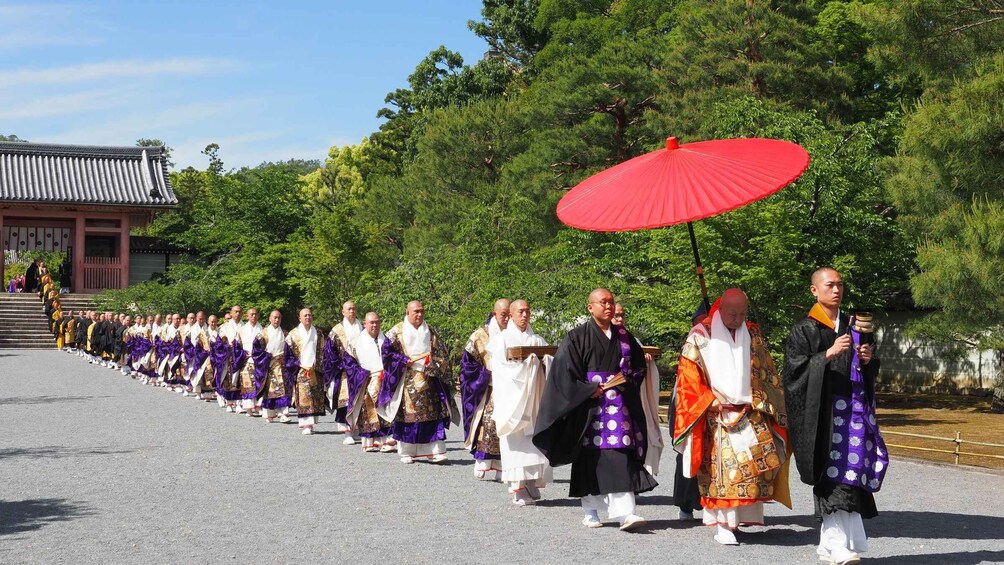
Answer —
(31, 280)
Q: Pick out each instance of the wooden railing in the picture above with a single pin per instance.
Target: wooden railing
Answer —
(101, 273)
(957, 452)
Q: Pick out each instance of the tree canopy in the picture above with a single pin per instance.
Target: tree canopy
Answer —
(452, 200)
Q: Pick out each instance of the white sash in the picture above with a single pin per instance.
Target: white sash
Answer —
(728, 362)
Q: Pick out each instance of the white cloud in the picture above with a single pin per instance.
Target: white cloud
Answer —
(130, 68)
(154, 123)
(39, 25)
(21, 39)
(62, 104)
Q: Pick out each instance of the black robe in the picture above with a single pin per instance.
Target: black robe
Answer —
(686, 494)
(80, 332)
(98, 338)
(31, 278)
(108, 341)
(120, 345)
(567, 407)
(809, 385)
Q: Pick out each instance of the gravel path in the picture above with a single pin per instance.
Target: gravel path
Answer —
(97, 468)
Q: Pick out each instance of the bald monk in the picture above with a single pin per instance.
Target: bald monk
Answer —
(592, 416)
(417, 390)
(829, 384)
(730, 418)
(476, 396)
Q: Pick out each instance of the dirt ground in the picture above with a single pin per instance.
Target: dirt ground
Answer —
(942, 416)
(938, 416)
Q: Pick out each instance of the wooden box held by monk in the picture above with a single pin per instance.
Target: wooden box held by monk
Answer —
(521, 352)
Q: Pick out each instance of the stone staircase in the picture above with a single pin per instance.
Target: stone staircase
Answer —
(22, 322)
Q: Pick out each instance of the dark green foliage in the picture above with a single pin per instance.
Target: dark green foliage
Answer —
(452, 200)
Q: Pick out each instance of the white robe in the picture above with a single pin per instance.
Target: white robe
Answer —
(276, 341)
(247, 334)
(517, 388)
(352, 330)
(368, 352)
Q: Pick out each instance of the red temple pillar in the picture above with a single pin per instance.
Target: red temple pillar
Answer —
(78, 252)
(124, 249)
(3, 260)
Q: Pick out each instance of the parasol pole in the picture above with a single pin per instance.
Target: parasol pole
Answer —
(700, 268)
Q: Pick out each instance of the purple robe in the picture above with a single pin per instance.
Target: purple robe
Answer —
(333, 371)
(355, 377)
(475, 379)
(219, 354)
(188, 352)
(262, 360)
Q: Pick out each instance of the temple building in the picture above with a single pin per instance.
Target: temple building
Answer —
(82, 200)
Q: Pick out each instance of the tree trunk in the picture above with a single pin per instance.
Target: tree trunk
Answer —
(997, 404)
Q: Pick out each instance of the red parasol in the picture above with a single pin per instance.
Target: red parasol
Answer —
(682, 183)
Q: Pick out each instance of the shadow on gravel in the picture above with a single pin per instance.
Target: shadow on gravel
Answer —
(888, 524)
(28, 515)
(660, 525)
(558, 502)
(46, 399)
(654, 500)
(957, 558)
(933, 525)
(58, 452)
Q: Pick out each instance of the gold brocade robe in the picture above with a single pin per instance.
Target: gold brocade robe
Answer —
(206, 382)
(246, 382)
(275, 379)
(483, 437)
(727, 477)
(338, 333)
(421, 402)
(308, 387)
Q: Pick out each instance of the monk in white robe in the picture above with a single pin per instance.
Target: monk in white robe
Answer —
(268, 357)
(344, 333)
(227, 386)
(517, 388)
(304, 363)
(244, 366)
(363, 374)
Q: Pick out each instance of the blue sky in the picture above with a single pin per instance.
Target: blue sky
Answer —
(265, 80)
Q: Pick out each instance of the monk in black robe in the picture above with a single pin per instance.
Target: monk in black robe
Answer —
(121, 327)
(80, 333)
(598, 427)
(31, 276)
(96, 338)
(817, 375)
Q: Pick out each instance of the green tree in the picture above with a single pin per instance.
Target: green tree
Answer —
(144, 142)
(946, 182)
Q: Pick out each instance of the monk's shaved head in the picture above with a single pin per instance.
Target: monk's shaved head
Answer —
(733, 308)
(517, 305)
(734, 296)
(519, 312)
(600, 294)
(828, 288)
(501, 312)
(601, 307)
(415, 313)
(822, 273)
